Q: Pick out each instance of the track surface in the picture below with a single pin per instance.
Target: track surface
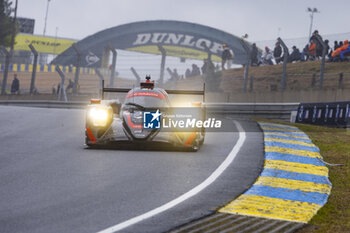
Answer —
(51, 183)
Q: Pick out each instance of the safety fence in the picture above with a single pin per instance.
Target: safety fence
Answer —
(48, 82)
(45, 68)
(271, 83)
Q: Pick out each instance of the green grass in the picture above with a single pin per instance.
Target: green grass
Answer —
(334, 145)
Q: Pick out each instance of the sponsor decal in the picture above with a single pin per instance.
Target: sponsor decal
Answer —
(43, 44)
(178, 39)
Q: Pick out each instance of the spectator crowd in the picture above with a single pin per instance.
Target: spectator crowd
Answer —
(312, 51)
(208, 67)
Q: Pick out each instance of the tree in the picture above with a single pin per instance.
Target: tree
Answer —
(5, 23)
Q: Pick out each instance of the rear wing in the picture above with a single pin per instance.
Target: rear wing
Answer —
(170, 92)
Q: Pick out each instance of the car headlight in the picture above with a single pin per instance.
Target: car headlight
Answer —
(99, 116)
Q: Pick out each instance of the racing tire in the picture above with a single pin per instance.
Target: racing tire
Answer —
(202, 136)
(195, 146)
(87, 144)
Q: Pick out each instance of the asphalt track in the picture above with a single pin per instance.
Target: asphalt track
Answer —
(51, 183)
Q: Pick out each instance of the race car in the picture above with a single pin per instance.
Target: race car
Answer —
(138, 120)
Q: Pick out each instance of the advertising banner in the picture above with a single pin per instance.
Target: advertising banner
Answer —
(42, 44)
(335, 114)
(178, 39)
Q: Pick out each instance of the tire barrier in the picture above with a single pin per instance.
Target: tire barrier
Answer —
(294, 182)
(336, 114)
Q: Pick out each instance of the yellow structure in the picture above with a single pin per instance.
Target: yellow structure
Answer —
(43, 44)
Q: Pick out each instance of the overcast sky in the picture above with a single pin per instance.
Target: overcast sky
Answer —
(260, 19)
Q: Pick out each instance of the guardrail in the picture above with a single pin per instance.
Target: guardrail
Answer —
(280, 111)
(276, 111)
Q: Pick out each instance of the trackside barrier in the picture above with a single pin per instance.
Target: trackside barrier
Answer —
(278, 111)
(336, 114)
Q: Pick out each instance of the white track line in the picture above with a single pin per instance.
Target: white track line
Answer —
(189, 194)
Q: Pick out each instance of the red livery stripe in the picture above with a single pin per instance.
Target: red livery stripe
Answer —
(90, 135)
(145, 93)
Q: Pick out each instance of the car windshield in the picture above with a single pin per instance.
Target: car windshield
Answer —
(147, 101)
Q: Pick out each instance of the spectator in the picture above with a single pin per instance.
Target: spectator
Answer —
(226, 57)
(305, 53)
(336, 45)
(175, 75)
(254, 55)
(267, 56)
(35, 91)
(208, 67)
(15, 85)
(204, 66)
(319, 48)
(330, 55)
(70, 68)
(277, 52)
(312, 50)
(343, 47)
(70, 86)
(195, 70)
(53, 90)
(188, 73)
(346, 50)
(327, 46)
(295, 55)
(336, 54)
